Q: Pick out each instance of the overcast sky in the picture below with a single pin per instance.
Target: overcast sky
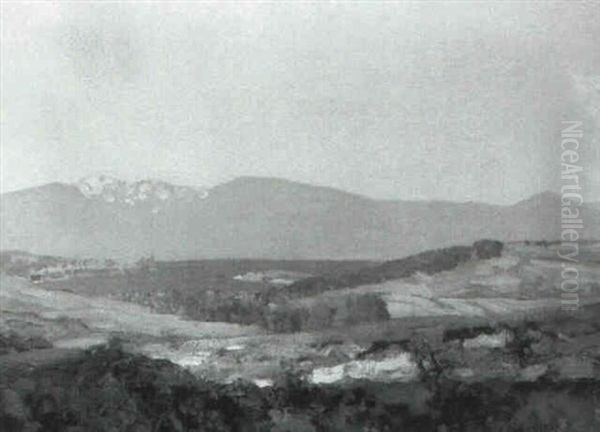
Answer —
(455, 101)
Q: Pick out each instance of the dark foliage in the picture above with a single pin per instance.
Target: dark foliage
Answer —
(109, 390)
(429, 262)
(12, 342)
(486, 249)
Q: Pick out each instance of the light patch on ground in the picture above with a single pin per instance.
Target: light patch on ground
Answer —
(463, 373)
(81, 342)
(327, 375)
(235, 347)
(275, 277)
(497, 340)
(263, 382)
(401, 367)
(532, 373)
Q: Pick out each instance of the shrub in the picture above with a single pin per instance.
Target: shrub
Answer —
(486, 249)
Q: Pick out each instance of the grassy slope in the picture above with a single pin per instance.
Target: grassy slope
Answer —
(24, 303)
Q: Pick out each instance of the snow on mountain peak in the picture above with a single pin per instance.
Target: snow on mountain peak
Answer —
(96, 185)
(111, 189)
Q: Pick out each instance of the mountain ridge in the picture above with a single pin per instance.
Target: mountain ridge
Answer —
(256, 217)
(282, 180)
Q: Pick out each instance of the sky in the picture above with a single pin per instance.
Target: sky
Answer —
(457, 101)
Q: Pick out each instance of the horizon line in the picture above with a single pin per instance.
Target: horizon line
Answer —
(283, 179)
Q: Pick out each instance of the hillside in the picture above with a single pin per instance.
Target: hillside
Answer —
(451, 336)
(257, 218)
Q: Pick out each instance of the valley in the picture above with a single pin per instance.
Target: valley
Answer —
(438, 319)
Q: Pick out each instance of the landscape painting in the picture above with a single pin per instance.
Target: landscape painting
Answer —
(300, 216)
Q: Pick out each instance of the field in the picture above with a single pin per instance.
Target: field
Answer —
(411, 336)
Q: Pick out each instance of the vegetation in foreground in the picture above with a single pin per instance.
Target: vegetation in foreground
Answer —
(107, 389)
(545, 378)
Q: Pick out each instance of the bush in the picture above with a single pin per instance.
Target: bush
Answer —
(12, 342)
(486, 249)
(107, 389)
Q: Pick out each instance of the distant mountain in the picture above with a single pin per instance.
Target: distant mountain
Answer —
(258, 218)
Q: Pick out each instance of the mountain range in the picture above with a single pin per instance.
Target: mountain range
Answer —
(254, 217)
